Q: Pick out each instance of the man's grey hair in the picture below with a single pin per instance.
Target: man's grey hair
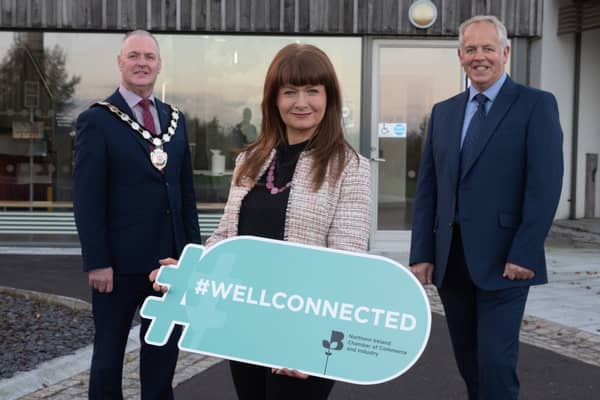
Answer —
(500, 28)
(141, 32)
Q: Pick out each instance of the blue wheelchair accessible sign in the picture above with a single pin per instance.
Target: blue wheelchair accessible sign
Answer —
(392, 130)
(352, 317)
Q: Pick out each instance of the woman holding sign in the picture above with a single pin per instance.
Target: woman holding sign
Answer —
(300, 181)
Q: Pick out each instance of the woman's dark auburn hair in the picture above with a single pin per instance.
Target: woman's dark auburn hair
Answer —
(300, 65)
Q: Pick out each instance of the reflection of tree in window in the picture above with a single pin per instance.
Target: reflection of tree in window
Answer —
(34, 88)
(27, 60)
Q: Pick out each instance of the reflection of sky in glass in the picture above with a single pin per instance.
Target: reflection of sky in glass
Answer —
(231, 69)
(221, 75)
(413, 79)
(206, 76)
(93, 57)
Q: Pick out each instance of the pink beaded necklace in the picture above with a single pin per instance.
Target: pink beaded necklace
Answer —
(271, 179)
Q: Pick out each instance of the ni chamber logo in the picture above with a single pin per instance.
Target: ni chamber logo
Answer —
(335, 343)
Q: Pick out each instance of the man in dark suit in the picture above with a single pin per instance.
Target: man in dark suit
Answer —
(134, 205)
(488, 187)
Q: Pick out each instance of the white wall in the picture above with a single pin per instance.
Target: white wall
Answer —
(589, 114)
(552, 69)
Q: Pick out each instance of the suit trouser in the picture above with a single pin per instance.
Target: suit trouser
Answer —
(253, 382)
(484, 328)
(113, 313)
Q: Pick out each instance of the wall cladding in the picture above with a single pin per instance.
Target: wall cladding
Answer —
(578, 16)
(523, 18)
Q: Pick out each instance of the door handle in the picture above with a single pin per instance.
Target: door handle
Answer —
(377, 159)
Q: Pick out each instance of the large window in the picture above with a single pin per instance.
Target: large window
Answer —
(47, 79)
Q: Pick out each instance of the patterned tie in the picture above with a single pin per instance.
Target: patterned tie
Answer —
(473, 131)
(147, 115)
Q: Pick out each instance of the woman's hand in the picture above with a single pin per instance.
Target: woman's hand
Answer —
(289, 372)
(152, 276)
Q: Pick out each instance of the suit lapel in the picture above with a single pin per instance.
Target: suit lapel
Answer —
(164, 117)
(117, 100)
(506, 97)
(455, 123)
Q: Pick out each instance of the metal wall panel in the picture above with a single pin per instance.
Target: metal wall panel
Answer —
(578, 16)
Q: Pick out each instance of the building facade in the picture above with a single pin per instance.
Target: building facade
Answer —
(57, 57)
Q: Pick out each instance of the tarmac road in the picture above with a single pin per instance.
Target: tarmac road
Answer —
(544, 374)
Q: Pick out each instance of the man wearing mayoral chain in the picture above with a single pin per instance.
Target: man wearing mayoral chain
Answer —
(134, 204)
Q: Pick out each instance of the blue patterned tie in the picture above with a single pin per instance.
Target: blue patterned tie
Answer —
(473, 131)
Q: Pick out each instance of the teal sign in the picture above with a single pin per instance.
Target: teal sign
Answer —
(352, 317)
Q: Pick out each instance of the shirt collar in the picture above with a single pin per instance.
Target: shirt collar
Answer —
(131, 98)
(490, 92)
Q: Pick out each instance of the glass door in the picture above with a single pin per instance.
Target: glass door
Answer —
(409, 77)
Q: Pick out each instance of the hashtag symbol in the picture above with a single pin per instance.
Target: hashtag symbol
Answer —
(202, 286)
(170, 309)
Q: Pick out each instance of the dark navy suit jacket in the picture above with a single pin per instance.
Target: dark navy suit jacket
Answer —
(129, 214)
(507, 194)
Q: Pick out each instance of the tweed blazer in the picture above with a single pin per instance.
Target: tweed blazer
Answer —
(336, 216)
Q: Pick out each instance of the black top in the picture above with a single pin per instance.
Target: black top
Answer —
(262, 213)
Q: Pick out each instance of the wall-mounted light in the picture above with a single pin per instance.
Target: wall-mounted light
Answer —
(422, 14)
